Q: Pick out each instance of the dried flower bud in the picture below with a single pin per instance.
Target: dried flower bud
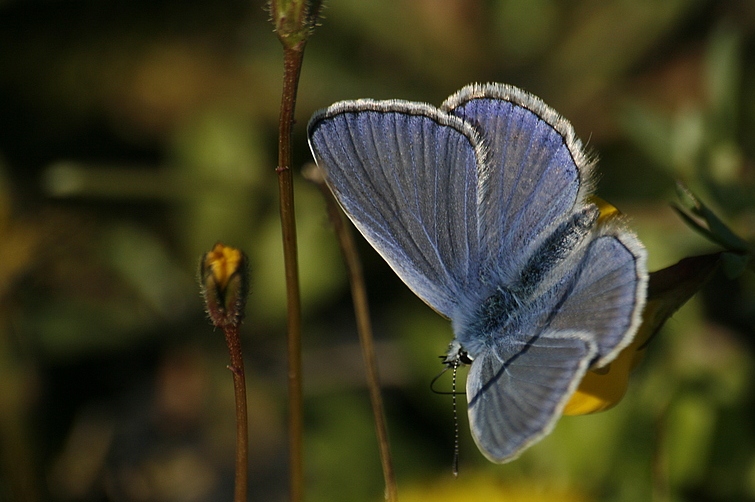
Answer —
(224, 280)
(294, 20)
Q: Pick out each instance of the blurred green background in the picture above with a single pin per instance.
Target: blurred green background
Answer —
(135, 134)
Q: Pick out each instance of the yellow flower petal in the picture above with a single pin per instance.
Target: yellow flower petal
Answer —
(603, 388)
(222, 262)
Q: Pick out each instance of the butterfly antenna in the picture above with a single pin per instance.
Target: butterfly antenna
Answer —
(450, 364)
(432, 383)
(455, 465)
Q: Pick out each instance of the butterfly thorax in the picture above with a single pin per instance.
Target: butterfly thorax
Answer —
(502, 313)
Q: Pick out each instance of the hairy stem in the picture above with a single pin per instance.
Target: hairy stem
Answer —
(242, 429)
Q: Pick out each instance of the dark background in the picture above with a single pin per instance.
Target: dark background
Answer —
(136, 134)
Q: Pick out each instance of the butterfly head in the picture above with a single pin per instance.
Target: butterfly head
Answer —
(457, 356)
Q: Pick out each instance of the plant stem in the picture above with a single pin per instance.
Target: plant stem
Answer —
(364, 328)
(292, 60)
(242, 431)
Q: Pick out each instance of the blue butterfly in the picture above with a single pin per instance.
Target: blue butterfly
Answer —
(481, 207)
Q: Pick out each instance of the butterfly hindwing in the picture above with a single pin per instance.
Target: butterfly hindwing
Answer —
(518, 385)
(517, 391)
(607, 294)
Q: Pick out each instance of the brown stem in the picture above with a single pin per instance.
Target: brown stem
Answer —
(292, 60)
(364, 328)
(242, 431)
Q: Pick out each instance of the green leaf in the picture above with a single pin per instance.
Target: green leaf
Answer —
(723, 233)
(716, 231)
(734, 264)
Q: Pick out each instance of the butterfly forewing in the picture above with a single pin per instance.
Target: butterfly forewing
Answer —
(536, 172)
(406, 174)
